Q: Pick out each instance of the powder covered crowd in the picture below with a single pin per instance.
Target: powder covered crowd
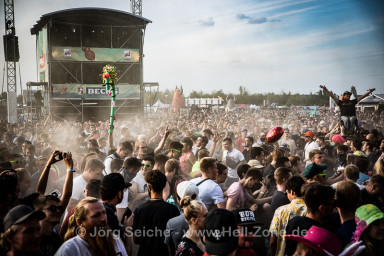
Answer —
(203, 182)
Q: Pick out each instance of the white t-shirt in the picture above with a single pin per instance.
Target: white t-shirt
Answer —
(141, 187)
(124, 202)
(232, 160)
(107, 163)
(291, 143)
(78, 187)
(210, 192)
(77, 246)
(309, 147)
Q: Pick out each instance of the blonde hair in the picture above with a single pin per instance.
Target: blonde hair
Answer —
(93, 164)
(172, 164)
(11, 231)
(80, 213)
(379, 167)
(191, 208)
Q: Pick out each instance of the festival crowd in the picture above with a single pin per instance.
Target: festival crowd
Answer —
(199, 182)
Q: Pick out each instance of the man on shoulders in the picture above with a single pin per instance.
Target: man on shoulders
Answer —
(347, 106)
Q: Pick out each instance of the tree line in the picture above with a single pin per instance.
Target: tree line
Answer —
(318, 98)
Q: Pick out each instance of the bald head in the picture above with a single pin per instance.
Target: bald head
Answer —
(371, 137)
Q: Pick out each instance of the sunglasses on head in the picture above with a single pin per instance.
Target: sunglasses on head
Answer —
(146, 165)
(54, 208)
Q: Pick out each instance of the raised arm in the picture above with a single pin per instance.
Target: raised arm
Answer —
(68, 185)
(163, 140)
(42, 185)
(216, 138)
(365, 94)
(336, 100)
(110, 140)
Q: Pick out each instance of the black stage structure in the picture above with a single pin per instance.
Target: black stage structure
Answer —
(74, 45)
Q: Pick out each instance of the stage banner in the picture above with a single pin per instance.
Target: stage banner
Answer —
(42, 49)
(94, 91)
(111, 55)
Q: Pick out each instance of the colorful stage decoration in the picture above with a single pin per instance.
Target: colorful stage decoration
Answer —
(109, 80)
(178, 100)
(274, 134)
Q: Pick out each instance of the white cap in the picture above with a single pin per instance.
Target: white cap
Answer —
(255, 163)
(187, 188)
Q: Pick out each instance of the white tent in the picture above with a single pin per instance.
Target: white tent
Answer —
(160, 104)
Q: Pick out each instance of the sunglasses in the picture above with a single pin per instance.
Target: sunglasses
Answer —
(16, 162)
(178, 151)
(54, 208)
(146, 165)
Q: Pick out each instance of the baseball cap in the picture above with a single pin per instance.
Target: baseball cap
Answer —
(188, 188)
(220, 227)
(314, 169)
(309, 134)
(19, 214)
(347, 92)
(255, 163)
(245, 217)
(320, 240)
(114, 182)
(285, 147)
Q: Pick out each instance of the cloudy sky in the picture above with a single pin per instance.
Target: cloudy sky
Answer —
(263, 45)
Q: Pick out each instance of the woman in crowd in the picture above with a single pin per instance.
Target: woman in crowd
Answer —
(194, 213)
(370, 229)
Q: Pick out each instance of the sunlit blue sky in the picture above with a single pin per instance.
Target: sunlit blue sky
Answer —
(263, 45)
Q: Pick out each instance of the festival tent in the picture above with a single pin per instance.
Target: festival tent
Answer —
(160, 104)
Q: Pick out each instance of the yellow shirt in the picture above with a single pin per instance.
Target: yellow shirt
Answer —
(282, 215)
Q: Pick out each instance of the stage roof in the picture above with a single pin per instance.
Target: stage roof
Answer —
(86, 16)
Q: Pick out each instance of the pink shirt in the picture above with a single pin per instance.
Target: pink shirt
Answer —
(237, 193)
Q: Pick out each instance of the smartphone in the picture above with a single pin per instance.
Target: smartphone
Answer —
(56, 193)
